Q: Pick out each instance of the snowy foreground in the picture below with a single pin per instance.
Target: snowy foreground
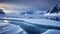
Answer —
(29, 26)
(6, 28)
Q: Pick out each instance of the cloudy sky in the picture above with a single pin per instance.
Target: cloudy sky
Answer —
(18, 5)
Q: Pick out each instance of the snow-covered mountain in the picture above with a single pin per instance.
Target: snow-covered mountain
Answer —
(1, 11)
(23, 14)
(2, 14)
(54, 13)
(31, 14)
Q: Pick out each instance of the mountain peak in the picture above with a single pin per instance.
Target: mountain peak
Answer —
(55, 9)
(1, 11)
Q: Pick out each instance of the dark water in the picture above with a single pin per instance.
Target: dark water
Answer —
(29, 28)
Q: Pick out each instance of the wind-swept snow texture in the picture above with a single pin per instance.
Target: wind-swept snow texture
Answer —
(52, 31)
(6, 28)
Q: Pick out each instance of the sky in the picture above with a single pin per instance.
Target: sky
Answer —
(18, 5)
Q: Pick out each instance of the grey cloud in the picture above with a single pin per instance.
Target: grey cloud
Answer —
(39, 4)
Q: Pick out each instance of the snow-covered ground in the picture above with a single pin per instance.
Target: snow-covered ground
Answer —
(37, 21)
(7, 28)
(43, 22)
(32, 25)
(52, 31)
(28, 24)
(52, 15)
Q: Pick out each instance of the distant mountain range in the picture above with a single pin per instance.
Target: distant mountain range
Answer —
(53, 13)
(32, 13)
